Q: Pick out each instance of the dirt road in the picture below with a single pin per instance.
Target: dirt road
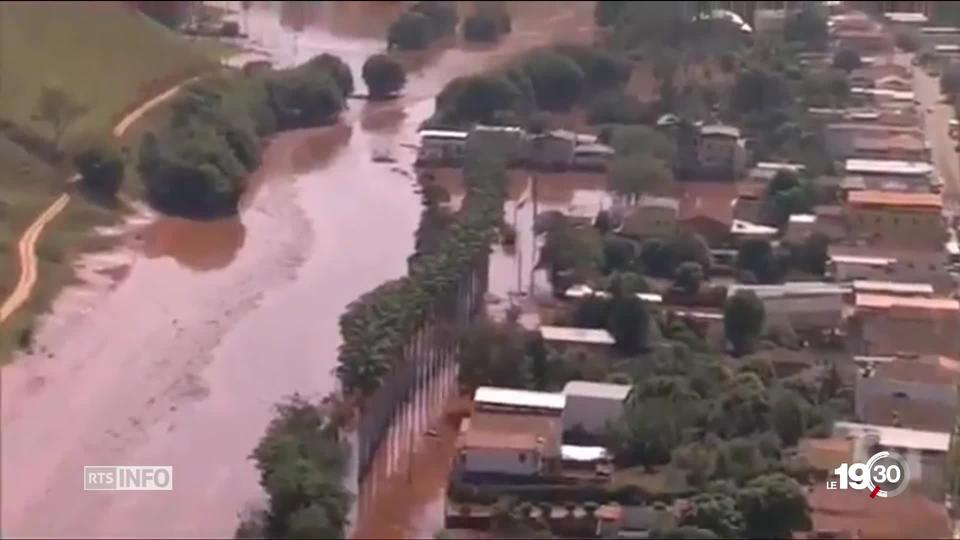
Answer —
(937, 128)
(181, 361)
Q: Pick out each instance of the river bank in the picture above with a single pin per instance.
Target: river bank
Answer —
(198, 329)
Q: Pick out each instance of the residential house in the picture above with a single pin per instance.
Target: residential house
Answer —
(843, 137)
(632, 521)
(884, 218)
(940, 35)
(592, 157)
(706, 208)
(511, 433)
(592, 405)
(442, 147)
(808, 306)
(748, 205)
(744, 230)
(899, 265)
(924, 290)
(721, 152)
(911, 392)
(924, 451)
(651, 216)
(831, 222)
(897, 147)
(894, 82)
(591, 339)
(890, 324)
(552, 150)
(508, 445)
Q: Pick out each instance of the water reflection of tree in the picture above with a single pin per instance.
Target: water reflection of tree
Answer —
(198, 245)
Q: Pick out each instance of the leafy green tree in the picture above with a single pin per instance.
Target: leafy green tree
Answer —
(788, 416)
(646, 434)
(101, 169)
(336, 68)
(629, 324)
(302, 99)
(847, 60)
(655, 257)
(908, 41)
(714, 512)
(411, 31)
(618, 254)
(478, 99)
(741, 459)
(773, 506)
(743, 317)
(603, 70)
(687, 246)
(688, 277)
(742, 407)
(756, 256)
(301, 464)
(950, 80)
(634, 175)
(572, 252)
(759, 91)
(494, 354)
(558, 82)
(481, 28)
(617, 107)
(642, 140)
(441, 14)
(57, 108)
(383, 75)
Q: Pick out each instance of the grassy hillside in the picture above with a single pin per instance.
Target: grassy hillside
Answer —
(108, 58)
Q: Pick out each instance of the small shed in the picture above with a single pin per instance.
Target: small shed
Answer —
(592, 405)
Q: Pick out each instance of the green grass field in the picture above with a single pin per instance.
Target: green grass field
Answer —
(108, 58)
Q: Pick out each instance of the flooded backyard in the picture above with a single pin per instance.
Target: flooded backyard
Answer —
(177, 354)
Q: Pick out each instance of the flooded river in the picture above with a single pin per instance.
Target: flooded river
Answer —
(179, 359)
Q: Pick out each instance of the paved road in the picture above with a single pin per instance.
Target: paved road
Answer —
(936, 126)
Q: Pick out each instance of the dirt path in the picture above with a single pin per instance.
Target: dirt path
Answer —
(27, 246)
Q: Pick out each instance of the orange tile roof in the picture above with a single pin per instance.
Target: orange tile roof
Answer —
(883, 301)
(891, 198)
(928, 369)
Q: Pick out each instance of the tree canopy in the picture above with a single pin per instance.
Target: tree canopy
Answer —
(743, 317)
(383, 75)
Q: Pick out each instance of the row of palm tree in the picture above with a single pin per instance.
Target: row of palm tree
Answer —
(377, 326)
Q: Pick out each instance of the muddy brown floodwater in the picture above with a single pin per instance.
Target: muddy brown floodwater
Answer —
(180, 359)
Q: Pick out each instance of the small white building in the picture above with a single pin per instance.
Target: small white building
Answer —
(593, 405)
(569, 336)
(495, 399)
(799, 227)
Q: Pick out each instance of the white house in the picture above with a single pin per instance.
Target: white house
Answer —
(568, 336)
(494, 399)
(592, 405)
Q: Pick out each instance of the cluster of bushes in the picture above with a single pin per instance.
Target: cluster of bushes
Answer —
(422, 24)
(550, 79)
(490, 21)
(196, 164)
(302, 463)
(378, 325)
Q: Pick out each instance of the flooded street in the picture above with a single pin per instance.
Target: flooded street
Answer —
(202, 328)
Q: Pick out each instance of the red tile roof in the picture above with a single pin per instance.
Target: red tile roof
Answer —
(891, 198)
(908, 515)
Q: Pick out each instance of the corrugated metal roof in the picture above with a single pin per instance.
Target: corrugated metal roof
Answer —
(864, 260)
(894, 437)
(719, 129)
(513, 397)
(443, 134)
(886, 301)
(887, 166)
(791, 288)
(570, 452)
(803, 218)
(889, 198)
(618, 392)
(571, 334)
(864, 285)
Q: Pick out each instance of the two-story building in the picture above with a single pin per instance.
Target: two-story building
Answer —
(891, 324)
(650, 217)
(884, 218)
